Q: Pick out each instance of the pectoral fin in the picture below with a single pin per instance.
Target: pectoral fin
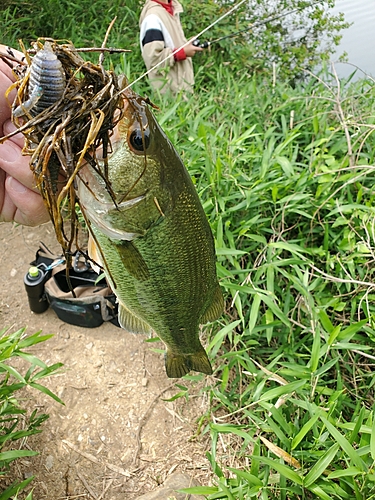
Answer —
(132, 260)
(178, 365)
(131, 323)
(215, 309)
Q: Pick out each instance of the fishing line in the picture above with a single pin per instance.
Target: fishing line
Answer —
(187, 43)
(254, 25)
(251, 26)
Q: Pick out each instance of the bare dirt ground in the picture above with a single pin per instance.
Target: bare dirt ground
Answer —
(115, 438)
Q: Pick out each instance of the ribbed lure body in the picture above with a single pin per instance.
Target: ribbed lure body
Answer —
(46, 82)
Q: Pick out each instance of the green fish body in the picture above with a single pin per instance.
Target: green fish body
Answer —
(153, 239)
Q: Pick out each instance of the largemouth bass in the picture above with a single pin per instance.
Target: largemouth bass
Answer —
(153, 239)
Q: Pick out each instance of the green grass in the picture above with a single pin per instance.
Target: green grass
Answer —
(16, 423)
(286, 177)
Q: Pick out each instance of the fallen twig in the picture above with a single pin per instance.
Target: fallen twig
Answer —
(83, 453)
(86, 485)
(143, 421)
(106, 489)
(90, 457)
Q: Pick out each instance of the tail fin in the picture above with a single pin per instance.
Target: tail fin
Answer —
(178, 365)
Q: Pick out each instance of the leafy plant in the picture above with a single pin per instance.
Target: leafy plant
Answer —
(282, 38)
(285, 173)
(288, 34)
(15, 422)
(286, 176)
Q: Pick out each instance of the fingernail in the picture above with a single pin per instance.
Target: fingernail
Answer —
(16, 186)
(9, 127)
(9, 153)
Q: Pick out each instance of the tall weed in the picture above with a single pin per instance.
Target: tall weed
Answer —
(286, 177)
(16, 423)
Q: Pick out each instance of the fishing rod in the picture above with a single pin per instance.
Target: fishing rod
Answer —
(204, 45)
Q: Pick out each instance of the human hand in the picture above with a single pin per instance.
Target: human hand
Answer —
(20, 200)
(191, 50)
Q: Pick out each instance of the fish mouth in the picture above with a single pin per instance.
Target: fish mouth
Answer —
(97, 204)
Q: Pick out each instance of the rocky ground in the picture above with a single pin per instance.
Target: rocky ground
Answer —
(116, 437)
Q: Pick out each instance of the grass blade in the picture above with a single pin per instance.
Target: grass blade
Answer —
(281, 468)
(344, 444)
(321, 465)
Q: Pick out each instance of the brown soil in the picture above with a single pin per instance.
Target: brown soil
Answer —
(116, 437)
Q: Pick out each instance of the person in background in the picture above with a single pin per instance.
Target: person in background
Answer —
(161, 34)
(20, 200)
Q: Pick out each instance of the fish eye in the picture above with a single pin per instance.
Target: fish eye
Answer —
(139, 140)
